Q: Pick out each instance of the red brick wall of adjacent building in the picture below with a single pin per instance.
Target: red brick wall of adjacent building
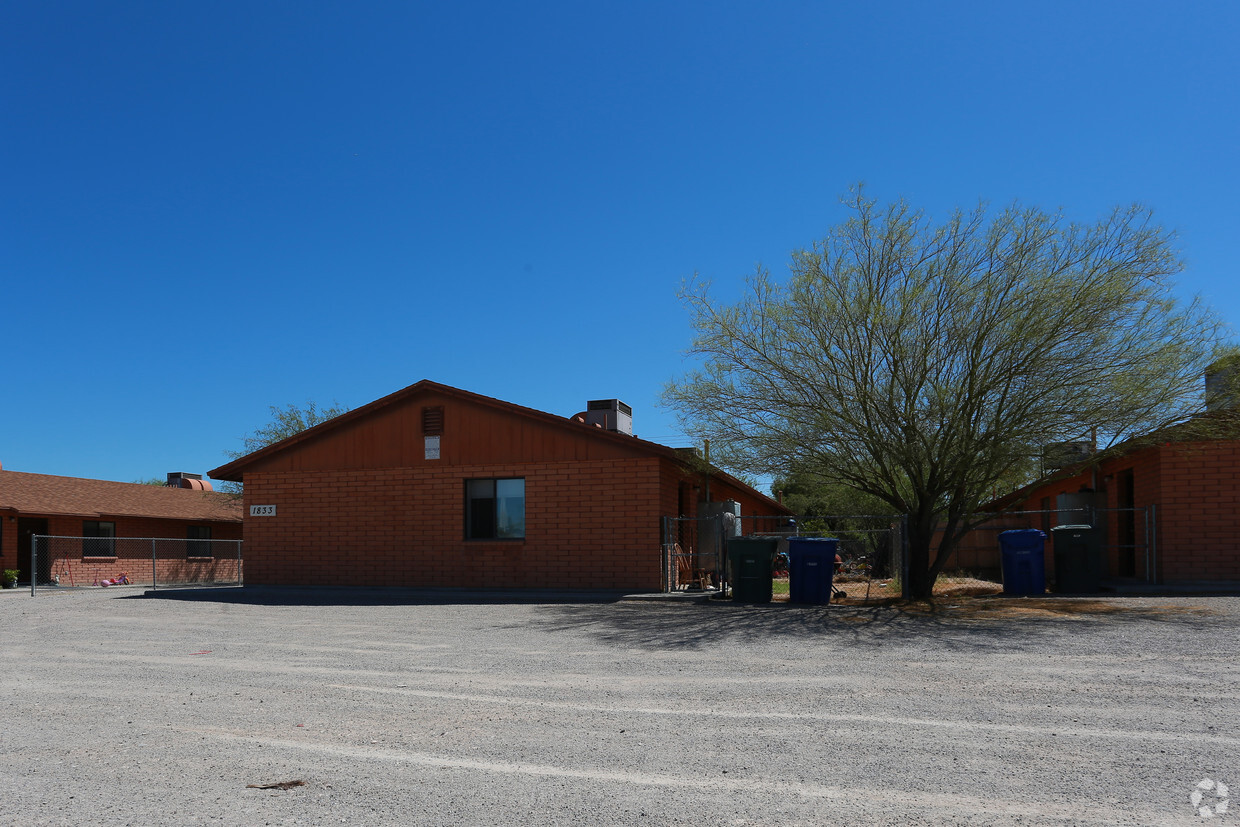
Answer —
(67, 563)
(1194, 490)
(588, 524)
(1199, 513)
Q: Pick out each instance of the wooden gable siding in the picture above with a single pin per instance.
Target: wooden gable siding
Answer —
(473, 434)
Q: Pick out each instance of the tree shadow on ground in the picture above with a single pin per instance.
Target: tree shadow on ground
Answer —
(983, 624)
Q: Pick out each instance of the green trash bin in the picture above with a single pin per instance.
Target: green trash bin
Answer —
(749, 568)
(1079, 562)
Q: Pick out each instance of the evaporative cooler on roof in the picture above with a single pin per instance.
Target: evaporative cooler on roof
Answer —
(610, 415)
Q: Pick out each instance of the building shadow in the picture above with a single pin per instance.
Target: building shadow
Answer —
(369, 596)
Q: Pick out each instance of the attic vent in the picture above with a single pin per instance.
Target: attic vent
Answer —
(432, 420)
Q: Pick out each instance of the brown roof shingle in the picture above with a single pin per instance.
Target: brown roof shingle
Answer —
(46, 494)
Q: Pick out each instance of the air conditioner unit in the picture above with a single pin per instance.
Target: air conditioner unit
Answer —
(610, 415)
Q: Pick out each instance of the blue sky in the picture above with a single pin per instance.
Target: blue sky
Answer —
(210, 209)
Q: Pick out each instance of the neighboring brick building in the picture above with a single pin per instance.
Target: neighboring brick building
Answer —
(438, 487)
(101, 510)
(1169, 507)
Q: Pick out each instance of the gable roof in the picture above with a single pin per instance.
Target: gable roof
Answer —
(235, 470)
(46, 494)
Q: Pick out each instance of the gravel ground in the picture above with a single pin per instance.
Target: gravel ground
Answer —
(120, 708)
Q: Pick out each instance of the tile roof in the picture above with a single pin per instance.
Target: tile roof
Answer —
(46, 494)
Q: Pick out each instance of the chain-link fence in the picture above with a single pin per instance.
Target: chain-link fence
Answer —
(872, 550)
(869, 551)
(94, 562)
(1128, 547)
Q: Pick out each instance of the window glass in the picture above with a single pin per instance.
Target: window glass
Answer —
(199, 533)
(99, 540)
(480, 509)
(510, 508)
(495, 509)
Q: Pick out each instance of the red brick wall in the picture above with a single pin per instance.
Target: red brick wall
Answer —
(979, 551)
(673, 475)
(588, 525)
(1199, 513)
(1195, 491)
(133, 558)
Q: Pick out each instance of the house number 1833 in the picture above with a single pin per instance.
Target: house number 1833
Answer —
(262, 511)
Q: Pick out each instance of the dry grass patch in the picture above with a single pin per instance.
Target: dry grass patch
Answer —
(1043, 608)
(882, 592)
(967, 598)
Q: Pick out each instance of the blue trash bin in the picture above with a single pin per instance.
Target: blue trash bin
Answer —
(811, 569)
(1021, 555)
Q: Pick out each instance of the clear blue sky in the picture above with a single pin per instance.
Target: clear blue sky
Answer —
(212, 208)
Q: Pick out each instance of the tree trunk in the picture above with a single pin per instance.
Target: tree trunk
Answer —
(921, 576)
(920, 580)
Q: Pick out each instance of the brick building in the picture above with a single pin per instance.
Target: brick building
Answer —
(438, 487)
(1168, 507)
(100, 511)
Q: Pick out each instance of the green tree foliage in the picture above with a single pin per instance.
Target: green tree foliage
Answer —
(831, 503)
(923, 364)
(285, 422)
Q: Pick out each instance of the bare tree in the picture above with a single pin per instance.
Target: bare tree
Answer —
(925, 363)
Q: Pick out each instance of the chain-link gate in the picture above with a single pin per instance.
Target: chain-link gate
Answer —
(694, 552)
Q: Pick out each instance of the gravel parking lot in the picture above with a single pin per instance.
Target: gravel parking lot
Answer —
(401, 708)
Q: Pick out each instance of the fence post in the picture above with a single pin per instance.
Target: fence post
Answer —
(154, 566)
(905, 568)
(240, 581)
(34, 562)
(1151, 534)
(664, 567)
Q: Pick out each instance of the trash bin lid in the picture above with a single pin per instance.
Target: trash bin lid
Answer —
(1022, 540)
